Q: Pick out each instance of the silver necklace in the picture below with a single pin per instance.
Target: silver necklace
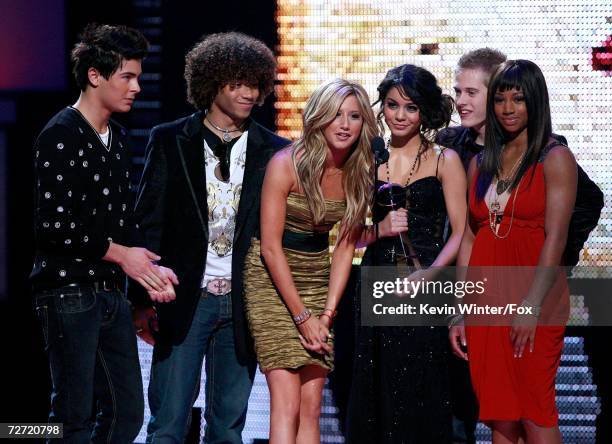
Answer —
(227, 138)
(110, 130)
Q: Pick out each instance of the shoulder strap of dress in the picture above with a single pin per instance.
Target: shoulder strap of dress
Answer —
(441, 151)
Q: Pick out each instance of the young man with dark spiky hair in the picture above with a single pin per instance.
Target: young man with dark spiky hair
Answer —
(198, 207)
(82, 165)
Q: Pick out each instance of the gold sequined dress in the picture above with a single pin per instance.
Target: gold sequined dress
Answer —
(306, 247)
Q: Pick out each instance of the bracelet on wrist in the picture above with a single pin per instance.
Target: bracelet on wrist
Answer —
(331, 320)
(329, 312)
(302, 317)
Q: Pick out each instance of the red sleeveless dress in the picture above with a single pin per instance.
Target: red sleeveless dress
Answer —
(509, 388)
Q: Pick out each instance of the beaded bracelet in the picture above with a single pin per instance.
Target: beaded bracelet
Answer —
(302, 317)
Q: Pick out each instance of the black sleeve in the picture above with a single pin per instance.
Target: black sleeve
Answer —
(559, 138)
(151, 196)
(59, 227)
(589, 203)
(150, 207)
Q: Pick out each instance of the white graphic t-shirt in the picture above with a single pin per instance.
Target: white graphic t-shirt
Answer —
(223, 200)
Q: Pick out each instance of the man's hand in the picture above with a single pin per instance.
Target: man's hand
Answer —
(145, 322)
(167, 294)
(138, 264)
(394, 223)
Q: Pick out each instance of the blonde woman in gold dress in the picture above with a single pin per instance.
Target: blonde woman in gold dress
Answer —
(291, 290)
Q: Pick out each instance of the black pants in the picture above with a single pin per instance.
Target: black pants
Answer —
(91, 344)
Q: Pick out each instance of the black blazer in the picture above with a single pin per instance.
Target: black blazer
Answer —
(171, 220)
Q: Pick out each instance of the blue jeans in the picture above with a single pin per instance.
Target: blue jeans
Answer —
(175, 378)
(91, 345)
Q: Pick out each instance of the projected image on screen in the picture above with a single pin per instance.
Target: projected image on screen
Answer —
(361, 40)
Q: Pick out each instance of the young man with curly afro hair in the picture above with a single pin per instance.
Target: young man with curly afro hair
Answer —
(198, 208)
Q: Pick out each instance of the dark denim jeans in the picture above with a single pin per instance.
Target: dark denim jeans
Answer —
(175, 379)
(91, 344)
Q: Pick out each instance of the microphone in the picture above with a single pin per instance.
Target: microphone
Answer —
(381, 155)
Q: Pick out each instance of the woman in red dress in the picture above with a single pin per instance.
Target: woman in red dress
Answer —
(521, 197)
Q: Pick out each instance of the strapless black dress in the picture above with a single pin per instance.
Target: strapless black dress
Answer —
(400, 389)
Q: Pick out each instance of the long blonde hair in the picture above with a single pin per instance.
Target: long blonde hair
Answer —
(310, 151)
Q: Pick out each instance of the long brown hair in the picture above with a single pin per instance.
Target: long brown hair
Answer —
(310, 151)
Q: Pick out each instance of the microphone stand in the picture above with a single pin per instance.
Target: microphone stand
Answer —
(380, 157)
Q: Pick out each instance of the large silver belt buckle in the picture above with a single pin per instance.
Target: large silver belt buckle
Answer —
(219, 287)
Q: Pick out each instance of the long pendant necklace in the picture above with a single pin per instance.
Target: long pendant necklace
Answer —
(404, 240)
(227, 138)
(412, 169)
(496, 216)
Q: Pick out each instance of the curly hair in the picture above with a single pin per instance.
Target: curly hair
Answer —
(422, 88)
(225, 58)
(310, 151)
(104, 47)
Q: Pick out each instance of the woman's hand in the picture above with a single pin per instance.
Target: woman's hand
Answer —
(415, 276)
(394, 223)
(523, 331)
(456, 335)
(314, 335)
(326, 320)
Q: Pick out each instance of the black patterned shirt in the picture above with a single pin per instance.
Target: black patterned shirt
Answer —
(83, 201)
